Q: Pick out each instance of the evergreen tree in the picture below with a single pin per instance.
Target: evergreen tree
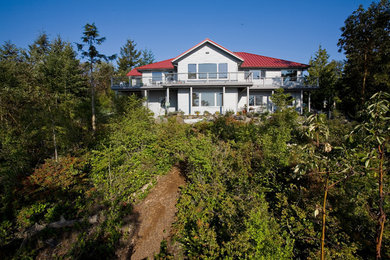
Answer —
(365, 40)
(129, 57)
(64, 91)
(91, 39)
(39, 49)
(147, 57)
(326, 74)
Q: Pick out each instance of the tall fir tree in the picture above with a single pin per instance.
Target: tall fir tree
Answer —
(327, 75)
(91, 39)
(129, 57)
(146, 58)
(365, 40)
(64, 90)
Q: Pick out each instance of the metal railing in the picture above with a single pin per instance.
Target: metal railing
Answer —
(120, 82)
(221, 77)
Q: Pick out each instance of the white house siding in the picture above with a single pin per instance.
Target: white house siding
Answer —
(241, 99)
(154, 100)
(231, 99)
(183, 100)
(206, 54)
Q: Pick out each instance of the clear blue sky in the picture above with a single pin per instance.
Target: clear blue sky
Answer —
(284, 29)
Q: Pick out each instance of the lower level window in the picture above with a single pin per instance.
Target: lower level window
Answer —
(256, 100)
(207, 99)
(195, 99)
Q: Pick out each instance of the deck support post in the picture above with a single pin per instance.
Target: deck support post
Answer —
(223, 100)
(190, 104)
(146, 98)
(247, 98)
(309, 102)
(301, 103)
(167, 100)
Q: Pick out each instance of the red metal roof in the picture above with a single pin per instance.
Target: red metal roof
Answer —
(134, 72)
(165, 64)
(259, 61)
(249, 61)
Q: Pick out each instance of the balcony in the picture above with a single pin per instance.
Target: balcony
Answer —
(240, 78)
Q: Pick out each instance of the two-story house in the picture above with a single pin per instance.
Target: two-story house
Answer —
(209, 77)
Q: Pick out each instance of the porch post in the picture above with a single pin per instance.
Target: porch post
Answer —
(301, 103)
(272, 103)
(223, 100)
(167, 99)
(146, 98)
(309, 102)
(190, 105)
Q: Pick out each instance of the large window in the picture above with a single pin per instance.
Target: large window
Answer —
(191, 71)
(289, 75)
(256, 100)
(207, 99)
(258, 74)
(156, 76)
(222, 70)
(219, 99)
(207, 70)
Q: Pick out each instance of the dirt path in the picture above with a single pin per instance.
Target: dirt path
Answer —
(155, 215)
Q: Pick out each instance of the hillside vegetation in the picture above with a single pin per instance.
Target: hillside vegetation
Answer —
(75, 159)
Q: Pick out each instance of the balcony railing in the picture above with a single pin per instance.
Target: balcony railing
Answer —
(169, 79)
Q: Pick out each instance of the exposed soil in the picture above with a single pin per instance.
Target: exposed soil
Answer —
(154, 216)
(148, 225)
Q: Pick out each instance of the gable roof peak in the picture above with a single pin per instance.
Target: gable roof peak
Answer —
(212, 43)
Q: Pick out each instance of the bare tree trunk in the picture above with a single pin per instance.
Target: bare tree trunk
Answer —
(382, 214)
(93, 119)
(55, 143)
(54, 135)
(324, 218)
(364, 78)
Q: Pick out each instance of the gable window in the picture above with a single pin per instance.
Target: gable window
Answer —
(289, 75)
(156, 76)
(207, 70)
(191, 71)
(222, 69)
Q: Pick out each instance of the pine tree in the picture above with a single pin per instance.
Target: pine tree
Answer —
(365, 40)
(326, 74)
(147, 57)
(91, 39)
(129, 57)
